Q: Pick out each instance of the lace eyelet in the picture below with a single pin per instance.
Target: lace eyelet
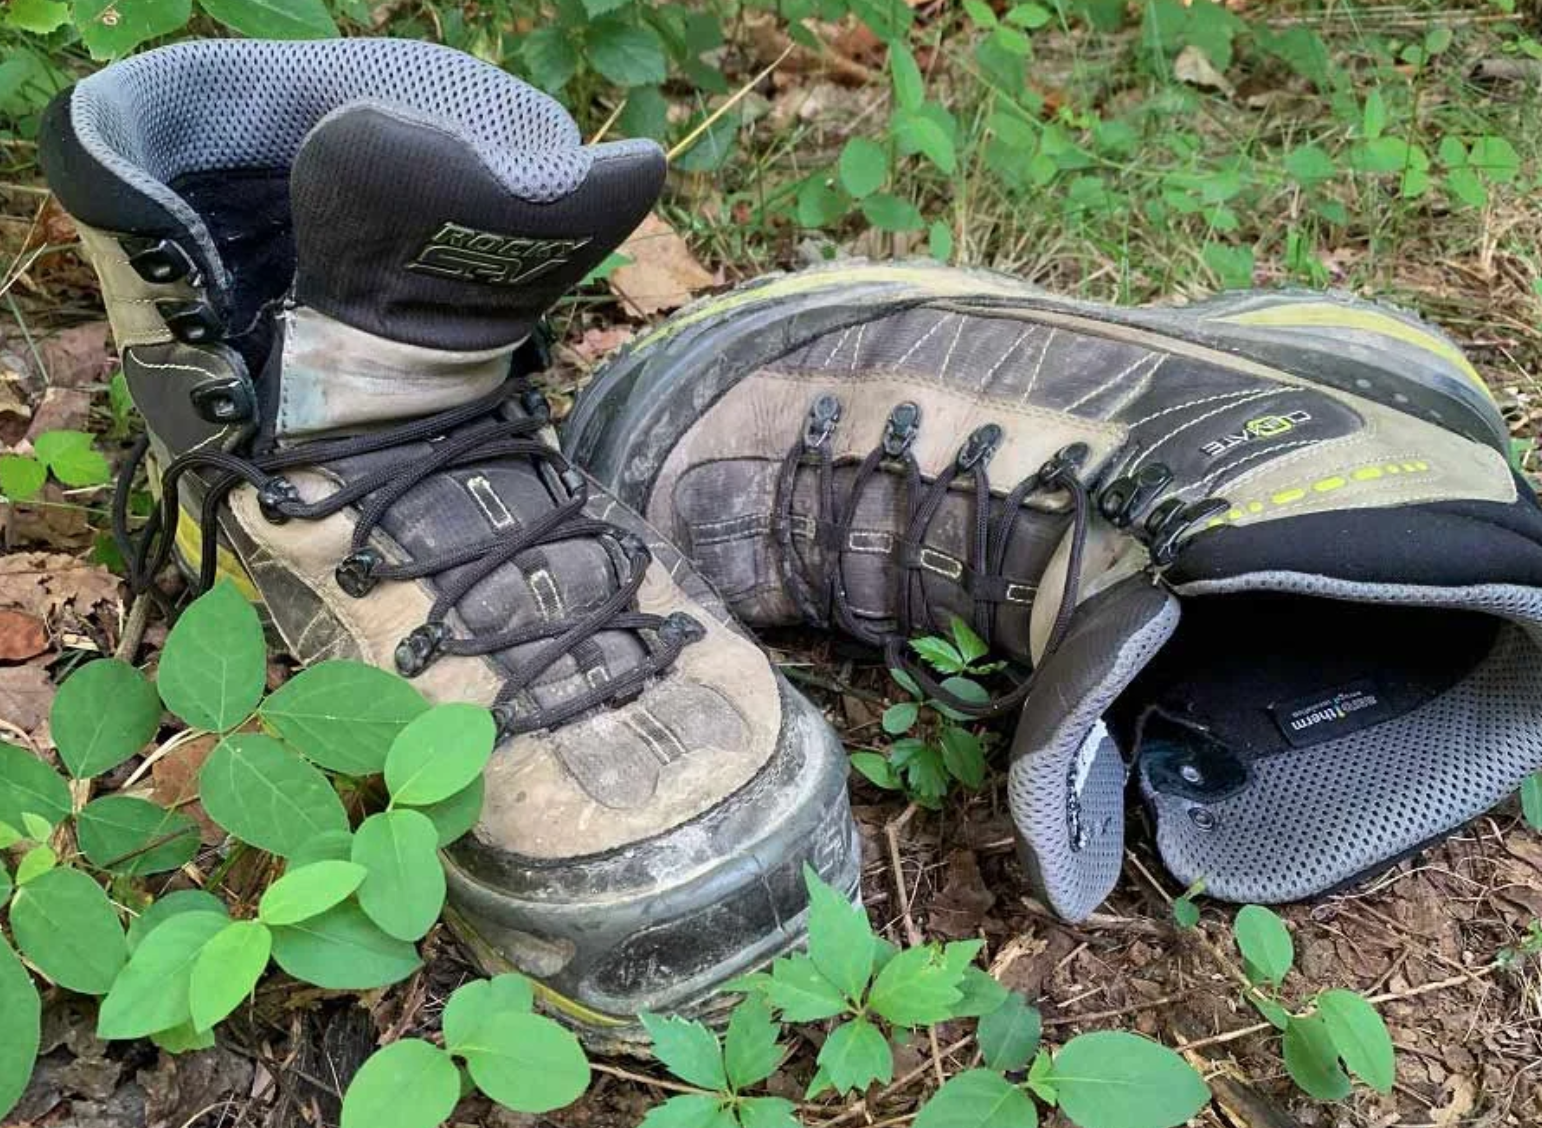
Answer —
(680, 629)
(273, 496)
(823, 414)
(1066, 465)
(980, 447)
(899, 432)
(415, 652)
(354, 574)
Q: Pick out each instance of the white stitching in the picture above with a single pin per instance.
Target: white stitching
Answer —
(1113, 380)
(1198, 419)
(911, 351)
(1012, 348)
(1038, 365)
(947, 357)
(1192, 403)
(1221, 471)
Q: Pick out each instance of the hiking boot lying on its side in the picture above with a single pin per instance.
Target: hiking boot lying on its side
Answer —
(322, 263)
(1304, 604)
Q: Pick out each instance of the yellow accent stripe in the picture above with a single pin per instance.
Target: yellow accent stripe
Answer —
(1294, 494)
(1326, 315)
(227, 567)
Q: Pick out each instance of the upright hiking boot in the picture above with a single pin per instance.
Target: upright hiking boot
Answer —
(324, 264)
(1265, 553)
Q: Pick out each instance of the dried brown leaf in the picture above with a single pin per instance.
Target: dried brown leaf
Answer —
(26, 695)
(176, 784)
(663, 274)
(22, 636)
(40, 583)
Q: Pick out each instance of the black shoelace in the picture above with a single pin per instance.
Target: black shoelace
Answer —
(825, 599)
(466, 435)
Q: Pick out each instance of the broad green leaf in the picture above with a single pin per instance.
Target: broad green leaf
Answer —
(1360, 1037)
(1496, 158)
(963, 756)
(1531, 800)
(627, 54)
(1265, 944)
(1309, 165)
(801, 993)
(173, 904)
(21, 1025)
(697, 1110)
(1312, 1060)
(1009, 1036)
(183, 1039)
(1467, 186)
(981, 995)
(820, 202)
(840, 939)
(9, 836)
(646, 113)
(7, 887)
(403, 890)
(909, 89)
(151, 993)
(479, 999)
(906, 682)
(978, 1099)
(343, 950)
(526, 1062)
(110, 28)
(938, 653)
(65, 925)
(899, 717)
(1276, 1014)
(273, 19)
(1374, 119)
(855, 1055)
(68, 454)
(1112, 1079)
(37, 827)
(891, 213)
(266, 795)
(343, 715)
(750, 1049)
(767, 1112)
(971, 646)
(1451, 151)
(122, 834)
(1233, 266)
(408, 1084)
(688, 1050)
(104, 713)
(215, 665)
(863, 167)
(1011, 41)
(981, 14)
(921, 134)
(454, 817)
(40, 17)
(227, 970)
(918, 987)
(1185, 913)
(307, 891)
(876, 768)
(21, 477)
(35, 863)
(28, 784)
(439, 753)
(550, 55)
(939, 241)
(711, 148)
(328, 846)
(1437, 39)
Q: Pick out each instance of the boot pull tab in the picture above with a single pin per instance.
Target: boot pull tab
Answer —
(980, 447)
(901, 428)
(823, 414)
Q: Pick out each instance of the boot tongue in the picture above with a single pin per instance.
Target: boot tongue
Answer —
(424, 258)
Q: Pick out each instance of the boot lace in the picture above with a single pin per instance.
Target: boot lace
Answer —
(473, 433)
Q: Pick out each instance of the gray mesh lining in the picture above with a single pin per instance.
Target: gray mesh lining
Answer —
(1315, 817)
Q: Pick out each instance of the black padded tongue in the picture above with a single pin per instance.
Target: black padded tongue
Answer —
(404, 228)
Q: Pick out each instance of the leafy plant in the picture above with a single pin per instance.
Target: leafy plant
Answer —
(67, 455)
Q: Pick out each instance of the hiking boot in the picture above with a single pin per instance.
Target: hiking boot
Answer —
(324, 264)
(1304, 603)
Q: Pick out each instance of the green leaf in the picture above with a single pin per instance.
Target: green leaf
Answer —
(970, 645)
(28, 784)
(227, 970)
(408, 1084)
(980, 14)
(900, 717)
(215, 665)
(1451, 151)
(646, 113)
(526, 1062)
(963, 756)
(1233, 266)
(712, 147)
(104, 713)
(767, 1112)
(801, 993)
(404, 890)
(698, 1110)
(151, 993)
(273, 19)
(68, 453)
(21, 477)
(308, 891)
(21, 1026)
(877, 769)
(978, 1099)
(688, 1050)
(440, 753)
(863, 167)
(1467, 186)
(343, 715)
(906, 682)
(9, 836)
(891, 213)
(173, 904)
(183, 1039)
(1437, 39)
(1185, 913)
(66, 927)
(924, 135)
(1374, 119)
(1313, 1062)
(474, 1002)
(1308, 165)
(35, 863)
(550, 56)
(37, 827)
(1011, 41)
(1360, 1037)
(939, 654)
(909, 89)
(918, 987)
(1112, 1079)
(7, 887)
(1031, 16)
(1496, 158)
(887, 20)
(266, 795)
(627, 54)
(939, 241)
(820, 203)
(750, 1049)
(1265, 944)
(1041, 1078)
(1276, 1014)
(600, 7)
(40, 17)
(454, 817)
(1531, 800)
(840, 939)
(343, 950)
(1009, 1036)
(328, 846)
(980, 994)
(855, 1055)
(122, 834)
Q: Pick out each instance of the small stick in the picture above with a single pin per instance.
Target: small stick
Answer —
(690, 138)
